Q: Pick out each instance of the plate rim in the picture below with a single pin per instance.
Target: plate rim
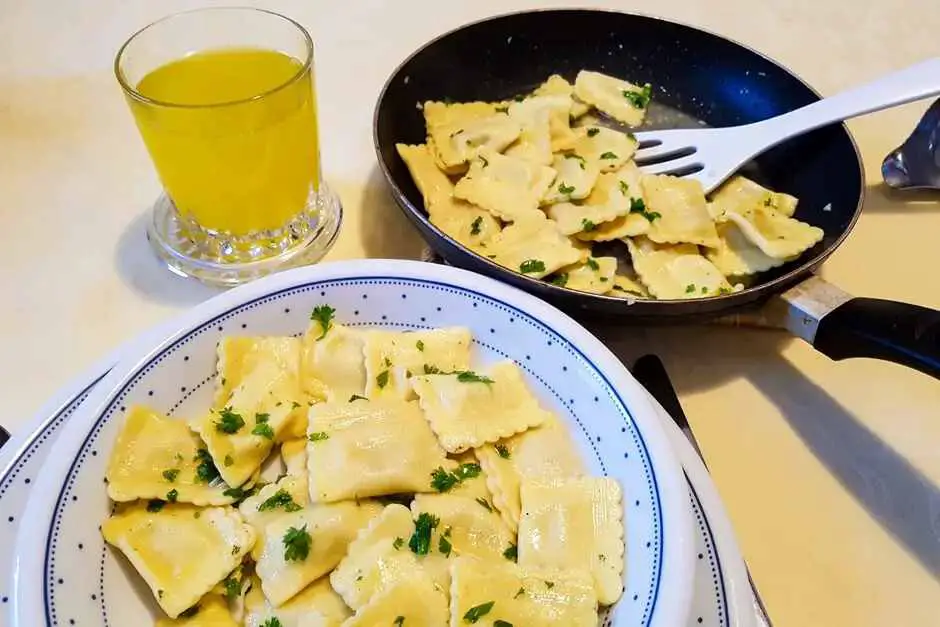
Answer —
(672, 599)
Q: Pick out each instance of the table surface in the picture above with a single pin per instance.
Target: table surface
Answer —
(830, 471)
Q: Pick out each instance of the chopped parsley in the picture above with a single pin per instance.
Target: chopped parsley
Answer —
(601, 557)
(549, 584)
(475, 225)
(356, 397)
(468, 471)
(638, 206)
(723, 291)
(229, 422)
(398, 543)
(155, 505)
(519, 98)
(484, 503)
(532, 265)
(502, 450)
(262, 427)
(592, 264)
(587, 225)
(232, 587)
(296, 544)
(690, 288)
(484, 161)
(205, 470)
(430, 369)
(560, 280)
(228, 461)
(443, 543)
(591, 132)
(272, 622)
(512, 553)
(295, 405)
(769, 201)
(281, 498)
(419, 345)
(239, 493)
(565, 189)
(501, 623)
(382, 379)
(171, 474)
(519, 593)
(704, 290)
(318, 436)
(466, 376)
(502, 109)
(574, 155)
(609, 155)
(324, 315)
(444, 481)
(624, 188)
(420, 542)
(639, 99)
(172, 495)
(477, 612)
(399, 621)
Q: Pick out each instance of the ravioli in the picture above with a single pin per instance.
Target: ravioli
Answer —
(533, 246)
(263, 376)
(429, 179)
(556, 85)
(535, 141)
(364, 448)
(594, 276)
(507, 187)
(458, 132)
(574, 525)
(617, 200)
(331, 362)
(414, 602)
(521, 596)
(155, 456)
(272, 501)
(467, 409)
(328, 529)
(393, 358)
(775, 234)
(317, 605)
(545, 452)
(212, 611)
(623, 101)
(739, 194)
(607, 148)
(558, 108)
(628, 287)
(575, 179)
(683, 215)
(736, 256)
(466, 526)
(676, 271)
(162, 545)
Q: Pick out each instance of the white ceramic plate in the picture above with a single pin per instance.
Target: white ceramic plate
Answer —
(66, 575)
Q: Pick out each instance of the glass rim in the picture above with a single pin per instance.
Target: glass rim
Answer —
(136, 95)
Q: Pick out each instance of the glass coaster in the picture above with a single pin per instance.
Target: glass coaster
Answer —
(227, 263)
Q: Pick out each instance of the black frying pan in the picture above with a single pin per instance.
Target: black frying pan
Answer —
(704, 77)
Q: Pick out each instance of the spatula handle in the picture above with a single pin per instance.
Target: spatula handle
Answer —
(913, 83)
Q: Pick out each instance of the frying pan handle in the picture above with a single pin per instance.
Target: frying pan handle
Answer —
(882, 329)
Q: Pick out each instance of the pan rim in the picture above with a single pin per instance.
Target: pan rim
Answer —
(749, 294)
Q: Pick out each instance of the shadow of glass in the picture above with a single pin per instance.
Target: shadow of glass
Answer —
(880, 198)
(384, 230)
(141, 270)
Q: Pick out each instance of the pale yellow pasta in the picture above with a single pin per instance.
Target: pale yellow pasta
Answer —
(574, 525)
(469, 526)
(331, 365)
(535, 140)
(507, 187)
(736, 256)
(676, 271)
(155, 455)
(393, 358)
(468, 409)
(429, 179)
(608, 148)
(270, 503)
(545, 452)
(416, 601)
(472, 486)
(161, 546)
(740, 194)
(615, 196)
(458, 132)
(628, 287)
(212, 612)
(594, 276)
(522, 596)
(363, 448)
(623, 101)
(294, 458)
(775, 234)
(556, 85)
(683, 217)
(533, 246)
(558, 108)
(317, 605)
(329, 529)
(575, 178)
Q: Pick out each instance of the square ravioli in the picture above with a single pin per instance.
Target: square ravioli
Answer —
(331, 364)
(317, 605)
(621, 211)
(491, 592)
(545, 452)
(605, 147)
(556, 85)
(457, 132)
(364, 448)
(575, 179)
(775, 234)
(304, 545)
(594, 275)
(683, 214)
(574, 525)
(259, 394)
(535, 142)
(392, 358)
(181, 556)
(466, 527)
(558, 110)
(678, 271)
(740, 194)
(212, 611)
(736, 255)
(156, 457)
(534, 246)
(507, 187)
(414, 602)
(467, 410)
(623, 101)
(287, 494)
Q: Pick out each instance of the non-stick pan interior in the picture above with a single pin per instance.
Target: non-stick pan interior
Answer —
(697, 77)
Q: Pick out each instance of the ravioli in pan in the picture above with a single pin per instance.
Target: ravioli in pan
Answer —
(546, 186)
(415, 488)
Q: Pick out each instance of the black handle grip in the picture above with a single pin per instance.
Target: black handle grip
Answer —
(882, 329)
(4, 436)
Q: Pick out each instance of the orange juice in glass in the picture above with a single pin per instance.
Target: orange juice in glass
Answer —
(225, 102)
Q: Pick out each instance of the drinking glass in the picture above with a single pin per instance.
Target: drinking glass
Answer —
(225, 101)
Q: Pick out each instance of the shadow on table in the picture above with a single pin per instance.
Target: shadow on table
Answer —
(879, 198)
(141, 270)
(895, 493)
(384, 230)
